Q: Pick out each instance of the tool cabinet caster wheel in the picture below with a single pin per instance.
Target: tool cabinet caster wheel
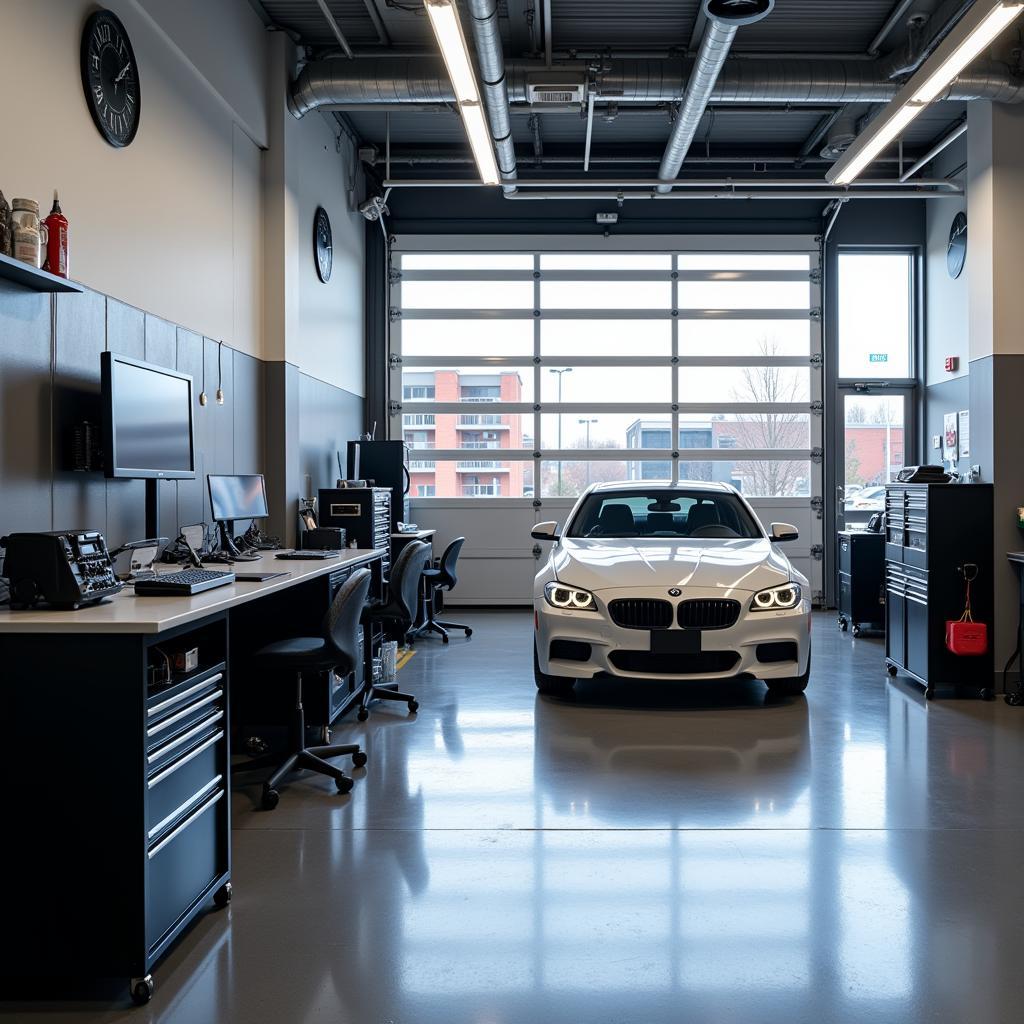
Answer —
(359, 759)
(344, 784)
(444, 639)
(891, 669)
(363, 714)
(987, 694)
(141, 990)
(929, 693)
(414, 706)
(222, 897)
(842, 625)
(469, 633)
(856, 630)
(270, 799)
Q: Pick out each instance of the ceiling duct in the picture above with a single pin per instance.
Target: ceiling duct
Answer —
(724, 18)
(841, 135)
(491, 58)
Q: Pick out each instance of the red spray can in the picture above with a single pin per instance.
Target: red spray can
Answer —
(57, 243)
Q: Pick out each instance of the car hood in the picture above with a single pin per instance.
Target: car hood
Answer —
(726, 565)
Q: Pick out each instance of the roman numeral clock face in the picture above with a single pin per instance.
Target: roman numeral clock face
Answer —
(110, 78)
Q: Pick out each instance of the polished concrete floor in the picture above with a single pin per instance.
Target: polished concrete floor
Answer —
(646, 854)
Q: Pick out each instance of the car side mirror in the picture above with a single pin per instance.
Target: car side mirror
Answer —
(545, 531)
(782, 532)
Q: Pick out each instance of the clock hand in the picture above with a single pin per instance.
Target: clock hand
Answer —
(124, 71)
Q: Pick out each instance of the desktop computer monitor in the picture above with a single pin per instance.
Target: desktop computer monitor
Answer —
(236, 497)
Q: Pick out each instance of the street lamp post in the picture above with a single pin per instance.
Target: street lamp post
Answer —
(587, 423)
(567, 369)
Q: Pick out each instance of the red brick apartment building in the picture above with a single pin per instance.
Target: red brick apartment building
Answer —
(480, 431)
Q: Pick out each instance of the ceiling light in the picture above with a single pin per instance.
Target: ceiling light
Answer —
(976, 30)
(444, 20)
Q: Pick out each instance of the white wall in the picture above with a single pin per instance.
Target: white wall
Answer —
(173, 223)
(946, 300)
(329, 341)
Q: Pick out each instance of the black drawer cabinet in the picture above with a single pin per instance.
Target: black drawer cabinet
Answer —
(364, 512)
(861, 580)
(931, 532)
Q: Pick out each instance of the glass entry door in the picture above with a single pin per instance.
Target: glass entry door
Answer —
(874, 442)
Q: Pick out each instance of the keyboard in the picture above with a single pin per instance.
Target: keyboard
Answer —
(184, 583)
(297, 556)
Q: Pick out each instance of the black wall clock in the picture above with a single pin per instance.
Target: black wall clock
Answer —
(323, 244)
(956, 253)
(110, 77)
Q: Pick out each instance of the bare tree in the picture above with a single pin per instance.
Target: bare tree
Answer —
(770, 385)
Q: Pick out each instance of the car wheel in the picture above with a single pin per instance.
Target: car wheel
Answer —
(551, 686)
(793, 685)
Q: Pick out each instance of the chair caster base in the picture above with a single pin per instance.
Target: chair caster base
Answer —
(362, 714)
(141, 989)
(344, 784)
(270, 799)
(413, 706)
(359, 760)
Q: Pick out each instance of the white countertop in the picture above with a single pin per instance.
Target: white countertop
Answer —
(127, 613)
(413, 535)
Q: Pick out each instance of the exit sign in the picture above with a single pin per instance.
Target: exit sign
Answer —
(878, 357)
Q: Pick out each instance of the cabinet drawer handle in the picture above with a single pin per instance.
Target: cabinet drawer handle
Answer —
(184, 695)
(180, 810)
(184, 713)
(160, 776)
(917, 600)
(184, 737)
(197, 814)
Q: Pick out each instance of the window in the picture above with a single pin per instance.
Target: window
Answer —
(876, 315)
(582, 367)
(425, 490)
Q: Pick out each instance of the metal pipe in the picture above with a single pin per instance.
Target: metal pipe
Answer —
(378, 22)
(491, 57)
(724, 17)
(547, 33)
(862, 187)
(907, 59)
(590, 133)
(832, 220)
(442, 159)
(821, 129)
(745, 195)
(342, 41)
(948, 139)
(890, 23)
(412, 80)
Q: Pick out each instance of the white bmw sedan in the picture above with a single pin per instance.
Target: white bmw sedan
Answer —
(669, 581)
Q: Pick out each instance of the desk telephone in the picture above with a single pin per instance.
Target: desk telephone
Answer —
(64, 569)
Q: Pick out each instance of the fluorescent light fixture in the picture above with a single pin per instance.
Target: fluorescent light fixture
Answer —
(444, 20)
(975, 31)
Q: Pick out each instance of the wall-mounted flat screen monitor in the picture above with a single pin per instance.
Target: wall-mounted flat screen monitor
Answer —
(147, 420)
(237, 497)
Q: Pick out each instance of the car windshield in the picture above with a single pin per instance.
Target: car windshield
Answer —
(663, 513)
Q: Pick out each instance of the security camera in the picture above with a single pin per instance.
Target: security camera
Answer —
(372, 207)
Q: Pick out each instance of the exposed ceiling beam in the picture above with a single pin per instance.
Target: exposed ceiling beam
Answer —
(378, 22)
(901, 8)
(947, 139)
(699, 24)
(335, 29)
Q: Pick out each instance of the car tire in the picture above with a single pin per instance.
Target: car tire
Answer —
(791, 687)
(551, 686)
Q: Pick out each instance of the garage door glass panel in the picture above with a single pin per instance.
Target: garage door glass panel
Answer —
(745, 338)
(605, 261)
(604, 430)
(743, 261)
(771, 430)
(875, 315)
(587, 295)
(474, 476)
(605, 338)
(477, 385)
(460, 295)
(605, 384)
(744, 294)
(467, 338)
(467, 261)
(744, 384)
(572, 478)
(766, 478)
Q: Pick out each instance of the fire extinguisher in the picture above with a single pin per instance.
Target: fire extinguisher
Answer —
(57, 244)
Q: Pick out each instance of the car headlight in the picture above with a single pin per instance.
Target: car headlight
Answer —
(558, 595)
(776, 598)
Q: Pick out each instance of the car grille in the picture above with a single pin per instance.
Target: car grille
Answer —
(648, 663)
(641, 613)
(708, 613)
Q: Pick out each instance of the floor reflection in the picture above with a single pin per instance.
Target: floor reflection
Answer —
(646, 854)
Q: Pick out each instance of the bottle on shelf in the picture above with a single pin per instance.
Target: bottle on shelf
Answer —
(57, 240)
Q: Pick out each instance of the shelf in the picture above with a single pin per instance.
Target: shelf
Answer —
(35, 280)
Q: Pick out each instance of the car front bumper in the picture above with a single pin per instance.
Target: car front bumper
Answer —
(598, 646)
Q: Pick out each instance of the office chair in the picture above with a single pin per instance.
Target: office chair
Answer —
(338, 649)
(397, 616)
(441, 576)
